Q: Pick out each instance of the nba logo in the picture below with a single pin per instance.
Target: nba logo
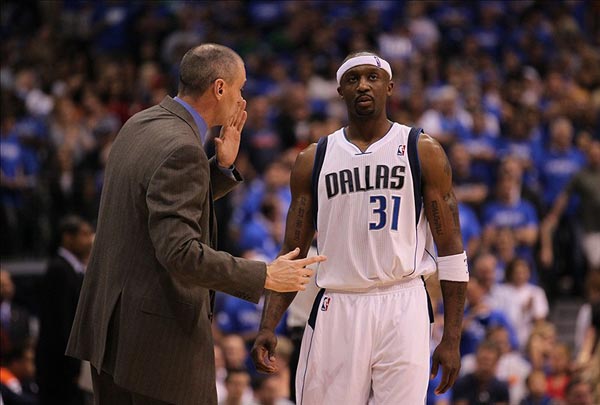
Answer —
(377, 61)
(325, 303)
(401, 149)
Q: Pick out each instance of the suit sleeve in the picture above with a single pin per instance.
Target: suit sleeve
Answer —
(175, 198)
(220, 182)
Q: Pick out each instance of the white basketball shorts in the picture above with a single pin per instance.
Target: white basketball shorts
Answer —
(366, 348)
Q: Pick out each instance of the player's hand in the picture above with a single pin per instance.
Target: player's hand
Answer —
(228, 143)
(263, 351)
(288, 275)
(447, 355)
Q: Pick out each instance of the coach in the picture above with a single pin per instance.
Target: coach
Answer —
(143, 319)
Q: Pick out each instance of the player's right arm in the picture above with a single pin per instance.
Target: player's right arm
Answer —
(299, 233)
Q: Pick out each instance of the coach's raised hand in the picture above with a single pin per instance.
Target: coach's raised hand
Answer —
(287, 275)
(228, 143)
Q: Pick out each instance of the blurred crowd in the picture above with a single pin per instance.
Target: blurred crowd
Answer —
(510, 89)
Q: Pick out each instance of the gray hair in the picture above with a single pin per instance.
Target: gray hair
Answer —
(202, 65)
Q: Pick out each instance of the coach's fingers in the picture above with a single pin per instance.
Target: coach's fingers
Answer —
(310, 260)
(291, 254)
(240, 116)
(240, 124)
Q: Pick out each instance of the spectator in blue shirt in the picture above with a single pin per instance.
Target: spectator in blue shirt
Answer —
(482, 147)
(508, 210)
(559, 162)
(520, 143)
(479, 317)
(243, 318)
(469, 187)
(14, 185)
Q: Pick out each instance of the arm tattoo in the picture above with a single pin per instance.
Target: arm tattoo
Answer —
(450, 199)
(437, 217)
(300, 219)
(275, 306)
(454, 297)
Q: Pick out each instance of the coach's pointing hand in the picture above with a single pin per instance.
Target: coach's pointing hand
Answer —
(287, 275)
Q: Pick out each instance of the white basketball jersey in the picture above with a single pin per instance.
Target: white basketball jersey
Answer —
(370, 219)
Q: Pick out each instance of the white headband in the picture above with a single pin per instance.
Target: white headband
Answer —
(363, 60)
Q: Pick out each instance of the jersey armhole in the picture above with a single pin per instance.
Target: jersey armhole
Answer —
(318, 165)
(415, 169)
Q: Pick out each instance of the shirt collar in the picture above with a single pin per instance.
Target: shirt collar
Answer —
(73, 261)
(200, 123)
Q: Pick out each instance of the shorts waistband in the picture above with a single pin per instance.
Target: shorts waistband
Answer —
(383, 288)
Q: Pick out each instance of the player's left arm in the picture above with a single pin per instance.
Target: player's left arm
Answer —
(441, 210)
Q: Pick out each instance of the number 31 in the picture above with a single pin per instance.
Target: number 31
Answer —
(380, 210)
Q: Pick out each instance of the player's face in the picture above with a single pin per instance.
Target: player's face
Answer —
(365, 90)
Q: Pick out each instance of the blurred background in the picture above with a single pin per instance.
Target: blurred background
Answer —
(510, 89)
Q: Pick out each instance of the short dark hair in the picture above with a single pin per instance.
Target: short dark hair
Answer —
(511, 267)
(15, 353)
(575, 381)
(360, 53)
(202, 65)
(489, 346)
(235, 370)
(70, 225)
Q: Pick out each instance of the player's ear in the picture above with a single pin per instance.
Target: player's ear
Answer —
(390, 88)
(339, 90)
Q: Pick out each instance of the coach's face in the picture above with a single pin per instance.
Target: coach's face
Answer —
(365, 89)
(231, 95)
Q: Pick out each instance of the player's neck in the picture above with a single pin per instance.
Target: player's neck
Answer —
(366, 131)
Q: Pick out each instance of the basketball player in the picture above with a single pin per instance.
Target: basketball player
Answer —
(379, 194)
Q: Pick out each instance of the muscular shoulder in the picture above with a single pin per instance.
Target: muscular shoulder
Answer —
(306, 159)
(428, 147)
(302, 172)
(432, 158)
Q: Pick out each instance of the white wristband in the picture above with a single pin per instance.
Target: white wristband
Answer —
(453, 268)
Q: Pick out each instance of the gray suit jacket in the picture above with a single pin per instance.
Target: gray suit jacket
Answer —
(145, 309)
